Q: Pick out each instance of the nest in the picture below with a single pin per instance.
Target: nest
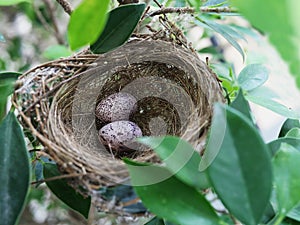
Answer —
(175, 92)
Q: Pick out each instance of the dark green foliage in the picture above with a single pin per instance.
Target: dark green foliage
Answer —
(65, 192)
(7, 80)
(287, 126)
(233, 174)
(242, 105)
(120, 25)
(170, 198)
(15, 172)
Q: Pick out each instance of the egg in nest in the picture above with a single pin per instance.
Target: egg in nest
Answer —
(119, 136)
(118, 106)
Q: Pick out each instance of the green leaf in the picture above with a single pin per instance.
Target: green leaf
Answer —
(295, 213)
(269, 214)
(9, 75)
(252, 76)
(294, 133)
(180, 158)
(6, 88)
(15, 170)
(195, 4)
(276, 18)
(120, 25)
(64, 192)
(228, 33)
(222, 70)
(243, 162)
(56, 51)
(87, 22)
(274, 146)
(211, 50)
(157, 221)
(288, 221)
(286, 178)
(215, 138)
(242, 105)
(7, 80)
(12, 2)
(269, 103)
(170, 198)
(247, 31)
(288, 125)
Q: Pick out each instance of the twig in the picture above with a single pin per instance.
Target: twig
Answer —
(172, 10)
(191, 10)
(91, 57)
(41, 18)
(157, 3)
(145, 13)
(65, 5)
(55, 88)
(57, 178)
(218, 10)
(57, 34)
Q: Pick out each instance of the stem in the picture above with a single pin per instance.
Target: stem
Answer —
(277, 220)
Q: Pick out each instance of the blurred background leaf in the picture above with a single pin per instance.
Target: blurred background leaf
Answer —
(12, 2)
(2, 39)
(279, 21)
(228, 33)
(56, 51)
(215, 3)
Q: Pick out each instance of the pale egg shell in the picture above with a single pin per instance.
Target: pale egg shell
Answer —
(116, 107)
(119, 135)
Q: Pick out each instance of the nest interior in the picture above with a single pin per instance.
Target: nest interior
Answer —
(175, 92)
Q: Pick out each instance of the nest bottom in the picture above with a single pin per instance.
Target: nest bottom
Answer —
(166, 100)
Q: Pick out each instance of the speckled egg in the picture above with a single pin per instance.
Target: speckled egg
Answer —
(116, 107)
(119, 135)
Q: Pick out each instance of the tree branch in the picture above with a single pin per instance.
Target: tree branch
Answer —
(183, 10)
(65, 5)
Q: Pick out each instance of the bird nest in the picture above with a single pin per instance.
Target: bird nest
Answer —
(175, 93)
